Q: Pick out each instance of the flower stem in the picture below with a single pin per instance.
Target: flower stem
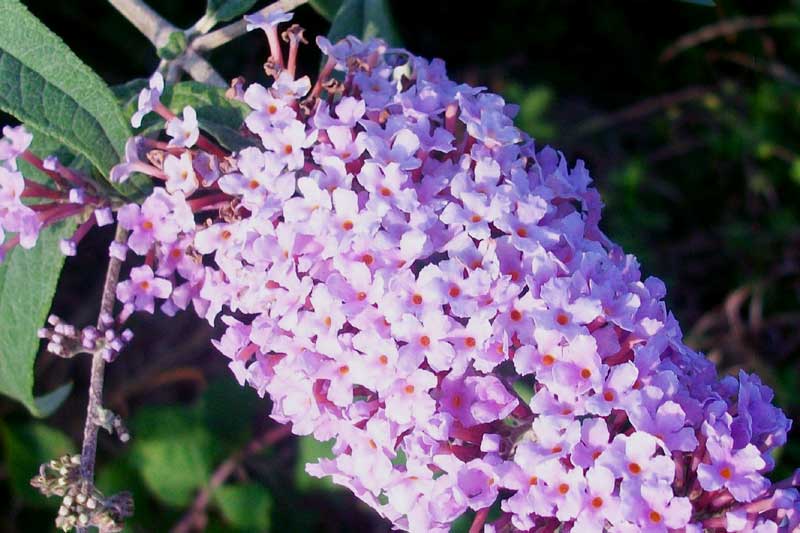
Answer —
(157, 30)
(190, 520)
(89, 449)
(228, 33)
(480, 519)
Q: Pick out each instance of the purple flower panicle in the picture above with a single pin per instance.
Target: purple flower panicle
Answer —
(394, 262)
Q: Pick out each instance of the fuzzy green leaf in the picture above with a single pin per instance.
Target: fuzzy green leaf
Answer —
(45, 85)
(172, 451)
(28, 281)
(18, 368)
(364, 19)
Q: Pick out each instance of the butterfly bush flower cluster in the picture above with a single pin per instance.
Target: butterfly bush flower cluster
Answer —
(405, 274)
(27, 206)
(394, 261)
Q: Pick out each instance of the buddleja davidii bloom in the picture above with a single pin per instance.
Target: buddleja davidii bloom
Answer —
(15, 216)
(28, 206)
(404, 256)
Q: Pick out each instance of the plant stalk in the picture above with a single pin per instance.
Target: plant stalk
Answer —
(228, 33)
(90, 430)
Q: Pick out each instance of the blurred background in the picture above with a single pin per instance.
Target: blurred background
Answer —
(688, 117)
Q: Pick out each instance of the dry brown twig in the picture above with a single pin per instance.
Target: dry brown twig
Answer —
(723, 28)
(641, 109)
(775, 69)
(195, 517)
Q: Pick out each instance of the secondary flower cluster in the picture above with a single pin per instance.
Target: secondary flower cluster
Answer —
(74, 195)
(402, 271)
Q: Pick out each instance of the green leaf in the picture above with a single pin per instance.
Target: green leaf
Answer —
(25, 447)
(126, 92)
(221, 117)
(47, 404)
(246, 507)
(534, 103)
(326, 8)
(309, 451)
(794, 171)
(28, 281)
(172, 451)
(223, 397)
(364, 19)
(524, 390)
(45, 85)
(26, 350)
(222, 10)
(176, 44)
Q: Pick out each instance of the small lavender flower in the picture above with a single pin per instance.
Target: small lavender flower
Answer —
(184, 131)
(149, 98)
(142, 288)
(14, 142)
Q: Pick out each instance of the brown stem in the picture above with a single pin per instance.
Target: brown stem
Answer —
(89, 449)
(640, 110)
(723, 28)
(190, 520)
(480, 519)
